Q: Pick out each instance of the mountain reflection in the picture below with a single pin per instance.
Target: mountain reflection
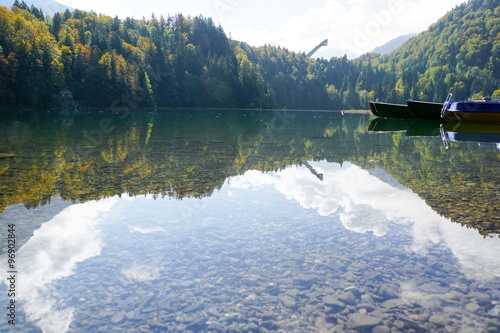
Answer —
(188, 153)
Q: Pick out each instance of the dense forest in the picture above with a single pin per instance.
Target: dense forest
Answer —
(181, 61)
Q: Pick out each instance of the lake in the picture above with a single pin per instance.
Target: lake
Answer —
(247, 221)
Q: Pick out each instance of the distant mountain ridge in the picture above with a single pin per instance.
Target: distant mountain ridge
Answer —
(49, 7)
(393, 44)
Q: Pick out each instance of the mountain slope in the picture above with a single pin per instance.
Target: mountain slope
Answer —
(393, 44)
(460, 54)
(49, 7)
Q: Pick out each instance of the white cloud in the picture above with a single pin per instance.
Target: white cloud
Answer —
(252, 179)
(478, 255)
(364, 203)
(53, 252)
(353, 28)
(146, 230)
(141, 272)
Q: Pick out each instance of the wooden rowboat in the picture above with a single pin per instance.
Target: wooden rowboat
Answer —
(425, 110)
(389, 110)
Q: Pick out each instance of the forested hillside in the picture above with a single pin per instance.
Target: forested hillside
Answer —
(190, 62)
(459, 54)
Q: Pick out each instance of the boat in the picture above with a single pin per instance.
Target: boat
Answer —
(425, 110)
(373, 109)
(483, 110)
(390, 110)
(483, 133)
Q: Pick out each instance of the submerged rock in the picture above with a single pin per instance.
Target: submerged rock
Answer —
(348, 298)
(360, 321)
(333, 304)
(117, 318)
(288, 301)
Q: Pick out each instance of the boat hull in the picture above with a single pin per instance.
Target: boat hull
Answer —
(373, 109)
(425, 110)
(473, 111)
(389, 110)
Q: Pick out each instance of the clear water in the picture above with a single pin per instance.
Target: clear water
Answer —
(238, 221)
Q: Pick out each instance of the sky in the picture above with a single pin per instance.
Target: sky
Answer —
(353, 27)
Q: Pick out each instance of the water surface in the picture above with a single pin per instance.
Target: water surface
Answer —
(218, 221)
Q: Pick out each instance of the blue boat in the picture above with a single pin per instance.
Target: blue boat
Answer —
(483, 110)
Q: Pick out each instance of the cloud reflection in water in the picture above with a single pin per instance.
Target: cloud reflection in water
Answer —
(71, 237)
(365, 203)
